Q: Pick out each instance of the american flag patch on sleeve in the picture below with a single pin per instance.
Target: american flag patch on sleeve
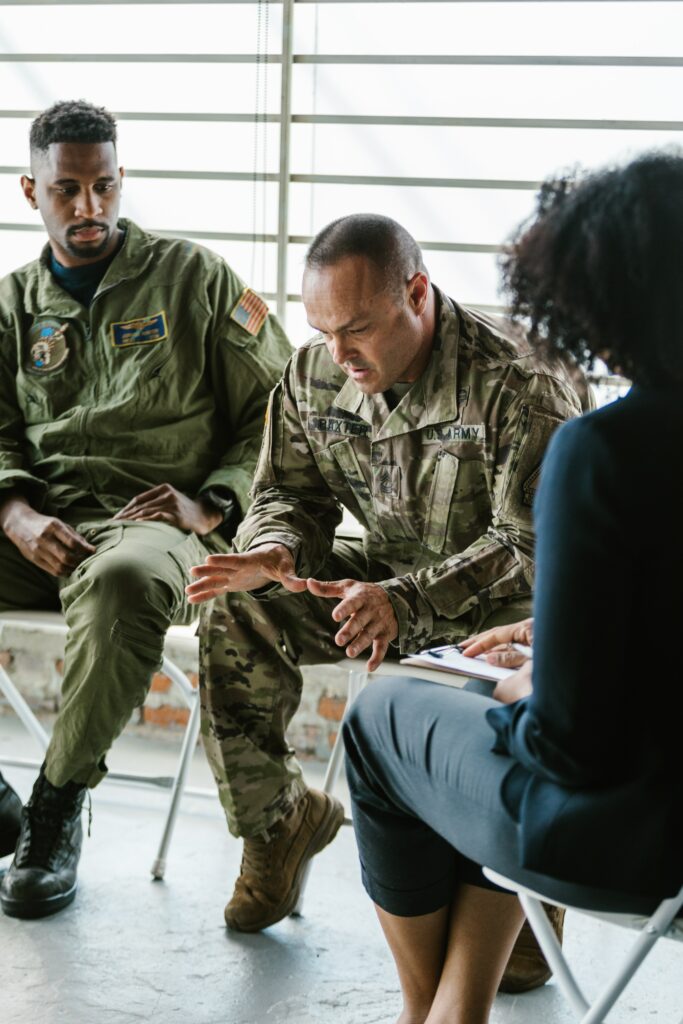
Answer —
(250, 312)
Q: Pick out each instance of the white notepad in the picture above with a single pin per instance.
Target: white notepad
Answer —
(449, 659)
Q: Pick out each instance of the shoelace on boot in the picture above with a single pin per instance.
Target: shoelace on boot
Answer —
(256, 859)
(45, 819)
(38, 839)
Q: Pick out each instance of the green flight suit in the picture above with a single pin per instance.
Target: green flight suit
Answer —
(442, 484)
(157, 381)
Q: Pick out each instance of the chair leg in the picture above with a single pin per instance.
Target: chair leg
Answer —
(33, 726)
(547, 940)
(597, 1011)
(186, 752)
(22, 710)
(652, 930)
(356, 682)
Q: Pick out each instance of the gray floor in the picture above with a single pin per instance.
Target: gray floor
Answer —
(133, 950)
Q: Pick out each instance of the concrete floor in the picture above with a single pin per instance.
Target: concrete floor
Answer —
(131, 950)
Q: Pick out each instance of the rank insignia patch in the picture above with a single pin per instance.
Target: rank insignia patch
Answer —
(146, 330)
(47, 347)
(250, 312)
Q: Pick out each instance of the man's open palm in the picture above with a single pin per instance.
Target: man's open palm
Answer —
(222, 574)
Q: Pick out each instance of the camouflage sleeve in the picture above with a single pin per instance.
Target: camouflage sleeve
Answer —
(292, 504)
(498, 567)
(244, 369)
(15, 473)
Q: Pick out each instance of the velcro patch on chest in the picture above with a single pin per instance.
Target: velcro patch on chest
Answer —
(250, 312)
(530, 486)
(46, 347)
(146, 330)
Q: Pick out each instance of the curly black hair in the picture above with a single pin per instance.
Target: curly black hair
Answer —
(598, 272)
(72, 121)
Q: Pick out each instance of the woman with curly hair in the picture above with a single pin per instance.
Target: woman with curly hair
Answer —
(569, 780)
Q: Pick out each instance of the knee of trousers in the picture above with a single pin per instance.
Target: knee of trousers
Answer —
(118, 598)
(368, 723)
(127, 587)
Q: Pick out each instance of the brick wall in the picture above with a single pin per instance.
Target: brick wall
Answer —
(35, 663)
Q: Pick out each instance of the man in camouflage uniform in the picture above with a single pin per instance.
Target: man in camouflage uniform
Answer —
(428, 422)
(134, 376)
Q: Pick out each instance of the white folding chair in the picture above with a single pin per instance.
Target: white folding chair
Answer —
(661, 924)
(184, 641)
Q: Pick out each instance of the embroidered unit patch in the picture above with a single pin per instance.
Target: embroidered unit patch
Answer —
(250, 312)
(47, 347)
(145, 330)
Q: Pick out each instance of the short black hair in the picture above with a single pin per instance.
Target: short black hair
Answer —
(598, 269)
(383, 241)
(72, 121)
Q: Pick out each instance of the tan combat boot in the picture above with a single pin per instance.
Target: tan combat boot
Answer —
(527, 967)
(272, 869)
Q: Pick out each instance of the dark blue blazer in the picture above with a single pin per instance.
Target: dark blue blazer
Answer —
(598, 785)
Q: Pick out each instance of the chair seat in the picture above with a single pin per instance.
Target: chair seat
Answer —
(182, 639)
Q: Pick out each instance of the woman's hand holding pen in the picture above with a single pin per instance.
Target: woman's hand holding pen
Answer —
(508, 647)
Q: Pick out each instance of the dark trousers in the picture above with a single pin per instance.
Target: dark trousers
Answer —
(427, 809)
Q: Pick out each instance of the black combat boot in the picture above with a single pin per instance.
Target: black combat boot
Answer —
(10, 818)
(42, 876)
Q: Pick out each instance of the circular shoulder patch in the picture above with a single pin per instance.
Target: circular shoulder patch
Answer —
(46, 346)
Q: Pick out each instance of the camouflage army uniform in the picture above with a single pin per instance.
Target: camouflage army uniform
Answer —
(156, 381)
(443, 485)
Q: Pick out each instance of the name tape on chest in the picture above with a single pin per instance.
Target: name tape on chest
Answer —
(457, 432)
(250, 312)
(146, 330)
(337, 425)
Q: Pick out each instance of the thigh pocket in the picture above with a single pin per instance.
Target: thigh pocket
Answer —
(141, 642)
(190, 551)
(104, 536)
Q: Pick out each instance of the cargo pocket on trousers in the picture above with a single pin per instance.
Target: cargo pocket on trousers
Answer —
(144, 643)
(145, 651)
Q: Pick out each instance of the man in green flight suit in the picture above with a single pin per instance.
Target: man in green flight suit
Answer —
(134, 377)
(426, 420)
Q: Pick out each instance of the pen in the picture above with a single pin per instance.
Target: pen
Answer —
(438, 652)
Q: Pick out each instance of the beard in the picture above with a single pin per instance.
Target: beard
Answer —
(88, 250)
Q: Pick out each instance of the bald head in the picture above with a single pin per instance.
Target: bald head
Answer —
(387, 245)
(366, 291)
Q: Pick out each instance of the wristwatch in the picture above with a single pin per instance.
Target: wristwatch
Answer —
(226, 503)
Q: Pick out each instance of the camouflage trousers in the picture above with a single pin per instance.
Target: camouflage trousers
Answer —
(251, 654)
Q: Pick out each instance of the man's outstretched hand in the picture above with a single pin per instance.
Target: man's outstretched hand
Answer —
(370, 618)
(165, 504)
(43, 540)
(222, 574)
